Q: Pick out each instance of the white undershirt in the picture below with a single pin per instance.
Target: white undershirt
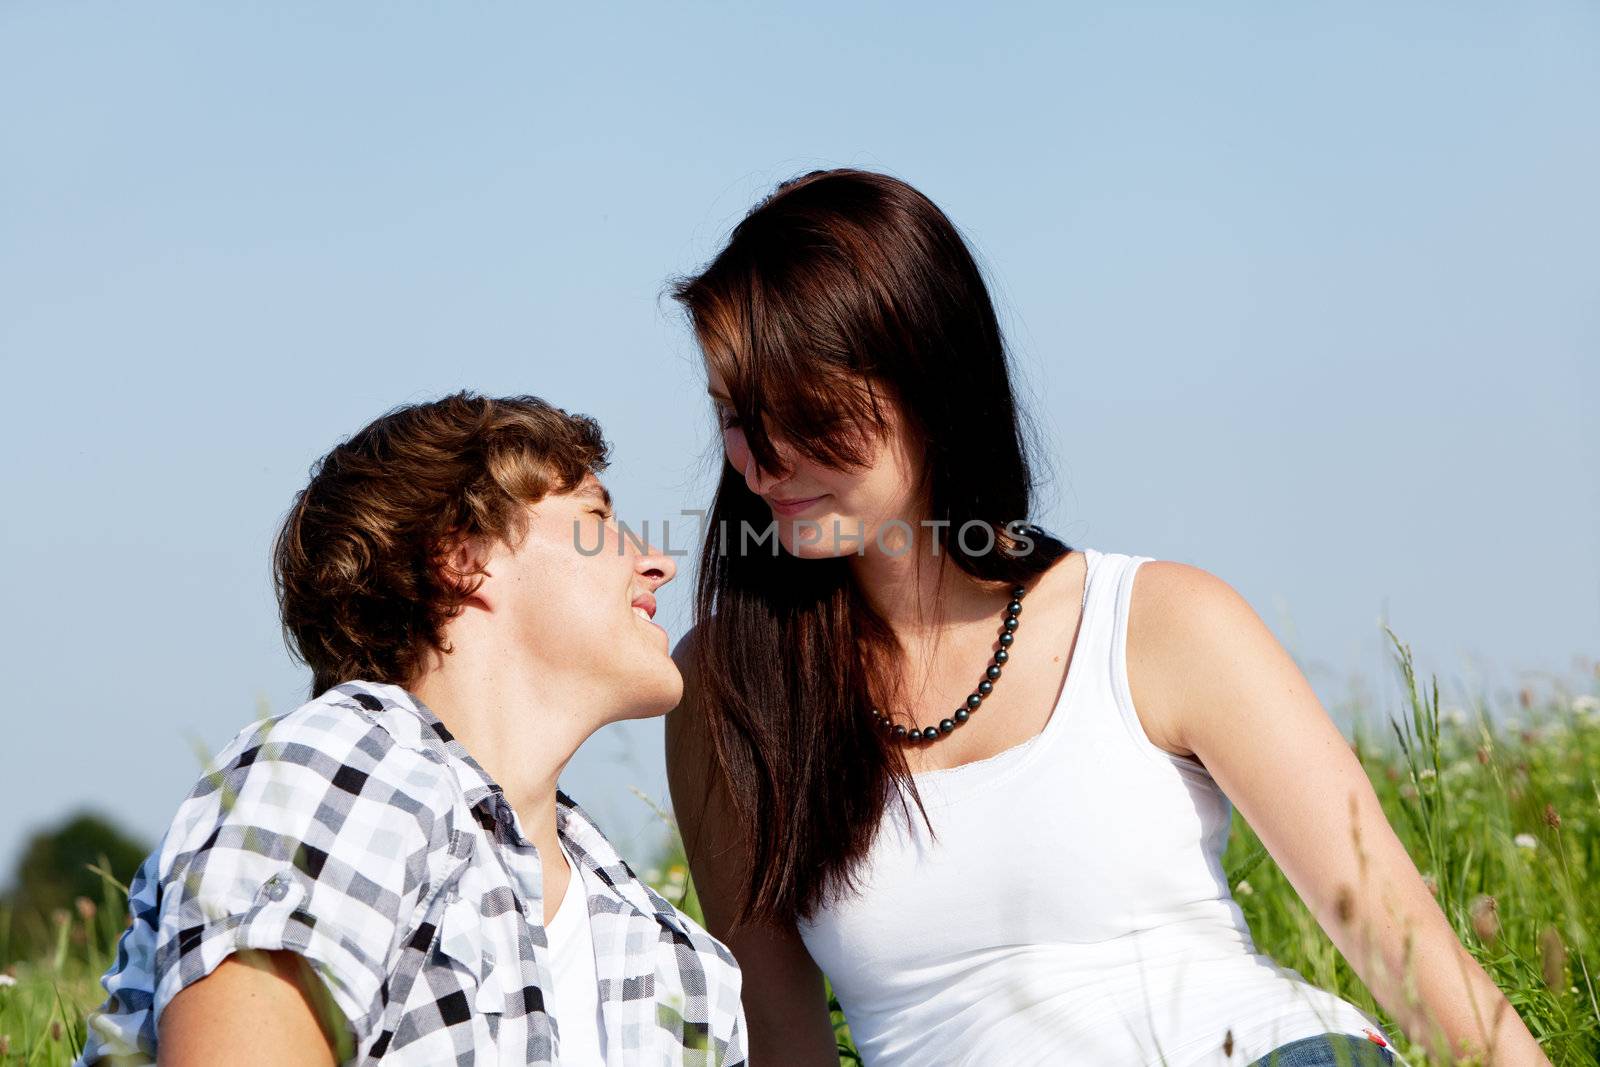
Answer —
(575, 1000)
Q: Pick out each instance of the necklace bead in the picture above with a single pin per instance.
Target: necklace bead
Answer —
(915, 735)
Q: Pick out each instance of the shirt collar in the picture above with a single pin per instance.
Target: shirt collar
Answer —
(589, 846)
(419, 727)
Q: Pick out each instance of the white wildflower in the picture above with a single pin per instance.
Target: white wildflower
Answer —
(1426, 774)
(6, 980)
(1586, 705)
(1452, 716)
(1244, 889)
(1527, 841)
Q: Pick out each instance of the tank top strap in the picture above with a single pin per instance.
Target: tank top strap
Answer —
(1102, 690)
(1097, 631)
(1085, 681)
(1117, 694)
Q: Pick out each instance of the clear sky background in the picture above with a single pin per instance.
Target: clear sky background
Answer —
(1306, 296)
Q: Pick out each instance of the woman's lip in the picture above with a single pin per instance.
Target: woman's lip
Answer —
(793, 507)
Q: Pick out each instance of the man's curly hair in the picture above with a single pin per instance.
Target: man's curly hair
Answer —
(356, 564)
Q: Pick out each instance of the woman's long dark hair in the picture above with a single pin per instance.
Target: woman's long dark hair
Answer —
(840, 290)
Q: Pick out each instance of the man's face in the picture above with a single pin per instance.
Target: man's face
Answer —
(578, 598)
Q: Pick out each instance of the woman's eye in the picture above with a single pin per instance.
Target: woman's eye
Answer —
(727, 419)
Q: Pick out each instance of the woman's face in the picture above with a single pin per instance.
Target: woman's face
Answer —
(819, 512)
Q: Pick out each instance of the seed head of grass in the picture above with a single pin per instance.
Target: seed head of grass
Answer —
(1485, 912)
(1553, 958)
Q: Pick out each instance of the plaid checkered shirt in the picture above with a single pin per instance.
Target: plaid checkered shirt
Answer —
(357, 832)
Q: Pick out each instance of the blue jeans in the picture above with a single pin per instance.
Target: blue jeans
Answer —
(1327, 1050)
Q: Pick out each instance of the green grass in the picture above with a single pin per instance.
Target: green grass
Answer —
(1504, 819)
(1505, 808)
(43, 1001)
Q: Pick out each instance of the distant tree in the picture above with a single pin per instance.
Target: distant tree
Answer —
(54, 871)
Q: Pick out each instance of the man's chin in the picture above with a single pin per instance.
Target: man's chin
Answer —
(653, 696)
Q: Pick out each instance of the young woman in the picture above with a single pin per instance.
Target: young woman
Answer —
(978, 778)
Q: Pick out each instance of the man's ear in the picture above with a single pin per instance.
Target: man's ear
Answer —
(462, 563)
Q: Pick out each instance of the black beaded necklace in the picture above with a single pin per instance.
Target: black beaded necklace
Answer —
(991, 675)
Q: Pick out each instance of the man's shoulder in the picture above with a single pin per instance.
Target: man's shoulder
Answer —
(352, 740)
(352, 722)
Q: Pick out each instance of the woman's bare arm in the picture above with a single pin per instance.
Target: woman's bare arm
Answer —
(254, 1010)
(786, 1008)
(1209, 678)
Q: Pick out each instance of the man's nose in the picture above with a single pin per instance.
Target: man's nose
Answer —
(656, 567)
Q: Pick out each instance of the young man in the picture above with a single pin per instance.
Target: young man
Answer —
(389, 873)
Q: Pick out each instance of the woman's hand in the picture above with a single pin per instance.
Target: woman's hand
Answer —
(1209, 679)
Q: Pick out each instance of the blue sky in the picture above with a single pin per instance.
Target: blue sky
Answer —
(1304, 296)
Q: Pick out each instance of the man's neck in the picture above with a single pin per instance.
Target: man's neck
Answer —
(523, 740)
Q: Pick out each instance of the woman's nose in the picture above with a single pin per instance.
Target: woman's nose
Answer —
(743, 459)
(758, 479)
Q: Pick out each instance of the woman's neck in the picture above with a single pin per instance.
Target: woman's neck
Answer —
(922, 595)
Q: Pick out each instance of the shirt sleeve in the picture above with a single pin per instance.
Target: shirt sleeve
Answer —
(312, 835)
(730, 1011)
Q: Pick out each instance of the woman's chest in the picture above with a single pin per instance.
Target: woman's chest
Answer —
(1071, 848)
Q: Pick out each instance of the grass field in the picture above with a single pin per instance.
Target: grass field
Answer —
(1501, 813)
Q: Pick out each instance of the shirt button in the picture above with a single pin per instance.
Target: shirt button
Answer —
(277, 887)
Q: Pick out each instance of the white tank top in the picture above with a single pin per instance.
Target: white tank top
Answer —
(1073, 908)
(575, 998)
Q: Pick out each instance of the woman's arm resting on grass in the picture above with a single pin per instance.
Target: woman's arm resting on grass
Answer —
(786, 1007)
(256, 1008)
(1209, 678)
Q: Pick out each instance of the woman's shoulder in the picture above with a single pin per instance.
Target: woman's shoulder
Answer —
(1175, 599)
(1184, 622)
(685, 727)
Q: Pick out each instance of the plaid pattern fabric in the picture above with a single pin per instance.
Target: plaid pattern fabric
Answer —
(359, 833)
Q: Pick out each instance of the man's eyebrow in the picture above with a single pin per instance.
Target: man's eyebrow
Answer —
(597, 491)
